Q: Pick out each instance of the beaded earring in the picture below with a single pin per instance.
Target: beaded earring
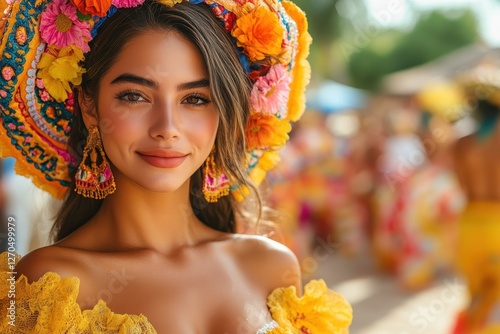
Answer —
(215, 183)
(95, 181)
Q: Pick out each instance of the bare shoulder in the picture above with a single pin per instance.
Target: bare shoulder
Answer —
(47, 259)
(268, 259)
(466, 143)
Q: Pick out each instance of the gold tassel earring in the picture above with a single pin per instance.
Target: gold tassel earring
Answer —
(95, 181)
(215, 184)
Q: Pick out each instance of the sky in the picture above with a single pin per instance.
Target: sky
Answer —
(399, 13)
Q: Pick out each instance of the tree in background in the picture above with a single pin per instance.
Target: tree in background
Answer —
(435, 34)
(323, 22)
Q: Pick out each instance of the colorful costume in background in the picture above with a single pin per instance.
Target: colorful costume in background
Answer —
(478, 260)
(42, 45)
(311, 190)
(430, 219)
(418, 215)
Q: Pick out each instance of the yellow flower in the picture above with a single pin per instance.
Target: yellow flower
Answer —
(169, 3)
(59, 69)
(319, 311)
(259, 33)
(267, 161)
(265, 131)
(301, 72)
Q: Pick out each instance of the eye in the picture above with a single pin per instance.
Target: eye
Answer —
(196, 100)
(130, 97)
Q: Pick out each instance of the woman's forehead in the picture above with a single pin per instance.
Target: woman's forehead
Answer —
(162, 56)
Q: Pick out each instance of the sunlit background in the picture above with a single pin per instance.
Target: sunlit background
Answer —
(367, 189)
(368, 184)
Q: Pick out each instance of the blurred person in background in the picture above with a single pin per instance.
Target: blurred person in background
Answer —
(430, 199)
(402, 153)
(419, 200)
(477, 162)
(430, 212)
(311, 190)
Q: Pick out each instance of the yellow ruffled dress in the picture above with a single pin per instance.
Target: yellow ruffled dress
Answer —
(49, 306)
(478, 260)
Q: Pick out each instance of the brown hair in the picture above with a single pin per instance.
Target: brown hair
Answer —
(230, 91)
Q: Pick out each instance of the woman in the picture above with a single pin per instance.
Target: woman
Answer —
(477, 165)
(169, 101)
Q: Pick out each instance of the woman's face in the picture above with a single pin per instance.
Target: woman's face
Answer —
(156, 117)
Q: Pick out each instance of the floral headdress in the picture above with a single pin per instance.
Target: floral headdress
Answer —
(481, 82)
(44, 41)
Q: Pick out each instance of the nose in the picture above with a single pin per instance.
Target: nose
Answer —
(164, 122)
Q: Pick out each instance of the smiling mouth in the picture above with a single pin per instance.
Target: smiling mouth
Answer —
(163, 159)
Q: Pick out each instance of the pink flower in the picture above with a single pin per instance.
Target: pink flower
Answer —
(44, 95)
(39, 83)
(127, 3)
(61, 27)
(270, 92)
(7, 72)
(70, 101)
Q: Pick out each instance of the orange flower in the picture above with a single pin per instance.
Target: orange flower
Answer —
(266, 132)
(92, 7)
(259, 33)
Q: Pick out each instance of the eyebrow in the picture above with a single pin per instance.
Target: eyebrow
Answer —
(202, 83)
(135, 79)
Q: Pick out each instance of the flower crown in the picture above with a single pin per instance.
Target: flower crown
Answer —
(481, 82)
(42, 46)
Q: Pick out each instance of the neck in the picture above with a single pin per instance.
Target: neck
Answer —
(136, 218)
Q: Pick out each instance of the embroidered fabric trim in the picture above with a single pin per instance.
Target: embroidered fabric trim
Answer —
(267, 327)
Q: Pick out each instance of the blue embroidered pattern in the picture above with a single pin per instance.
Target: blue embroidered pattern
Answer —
(40, 134)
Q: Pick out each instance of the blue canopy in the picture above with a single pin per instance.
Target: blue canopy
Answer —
(332, 97)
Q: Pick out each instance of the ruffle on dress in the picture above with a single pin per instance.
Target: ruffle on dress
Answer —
(49, 306)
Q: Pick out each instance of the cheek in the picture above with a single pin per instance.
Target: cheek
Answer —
(119, 124)
(204, 127)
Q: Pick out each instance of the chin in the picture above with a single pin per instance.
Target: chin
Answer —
(167, 186)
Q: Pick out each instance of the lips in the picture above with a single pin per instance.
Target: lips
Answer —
(163, 158)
